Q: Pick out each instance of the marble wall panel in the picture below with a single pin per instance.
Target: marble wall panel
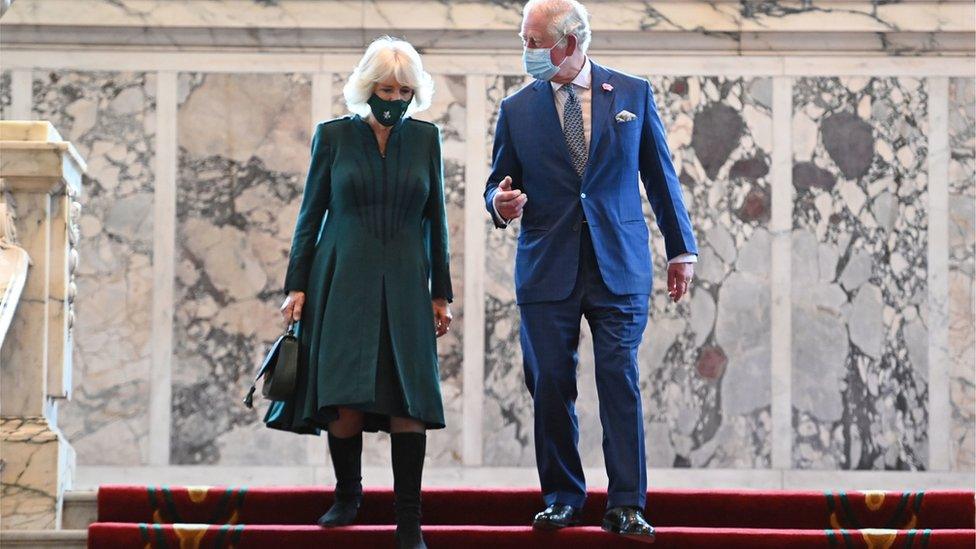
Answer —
(507, 421)
(962, 272)
(111, 118)
(243, 152)
(5, 98)
(705, 362)
(860, 236)
(859, 247)
(448, 111)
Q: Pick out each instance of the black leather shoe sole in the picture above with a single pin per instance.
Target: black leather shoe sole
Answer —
(613, 529)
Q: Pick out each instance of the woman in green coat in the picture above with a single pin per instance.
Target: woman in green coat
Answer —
(369, 282)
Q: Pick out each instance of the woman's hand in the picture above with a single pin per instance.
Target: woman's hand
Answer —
(442, 316)
(291, 309)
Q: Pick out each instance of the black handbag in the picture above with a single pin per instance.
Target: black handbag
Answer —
(279, 369)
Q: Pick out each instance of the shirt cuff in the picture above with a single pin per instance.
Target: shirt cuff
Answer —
(684, 258)
(498, 218)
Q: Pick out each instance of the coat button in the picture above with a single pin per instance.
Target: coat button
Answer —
(582, 195)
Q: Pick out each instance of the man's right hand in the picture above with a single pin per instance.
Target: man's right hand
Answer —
(509, 203)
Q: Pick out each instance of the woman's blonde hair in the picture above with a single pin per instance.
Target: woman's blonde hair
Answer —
(388, 56)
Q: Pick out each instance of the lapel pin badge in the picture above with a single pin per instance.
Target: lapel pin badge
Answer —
(607, 87)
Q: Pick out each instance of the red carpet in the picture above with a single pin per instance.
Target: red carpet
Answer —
(180, 517)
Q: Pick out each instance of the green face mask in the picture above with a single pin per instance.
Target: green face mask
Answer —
(386, 112)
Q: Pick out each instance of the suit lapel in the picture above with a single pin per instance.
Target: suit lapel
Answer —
(601, 105)
(548, 123)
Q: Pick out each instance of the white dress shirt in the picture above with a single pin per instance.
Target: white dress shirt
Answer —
(582, 85)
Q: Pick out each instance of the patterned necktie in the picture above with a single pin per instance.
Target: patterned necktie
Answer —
(573, 129)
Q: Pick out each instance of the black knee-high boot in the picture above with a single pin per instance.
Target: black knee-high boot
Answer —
(408, 467)
(347, 454)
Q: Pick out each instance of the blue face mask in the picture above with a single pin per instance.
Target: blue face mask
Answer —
(538, 62)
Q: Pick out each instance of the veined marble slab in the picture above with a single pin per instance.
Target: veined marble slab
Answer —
(488, 63)
(507, 420)
(243, 148)
(705, 362)
(903, 28)
(110, 118)
(962, 273)
(860, 290)
(666, 15)
(449, 112)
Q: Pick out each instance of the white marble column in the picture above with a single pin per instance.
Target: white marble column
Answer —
(940, 409)
(474, 273)
(781, 217)
(164, 246)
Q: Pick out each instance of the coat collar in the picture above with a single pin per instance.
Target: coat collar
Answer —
(602, 100)
(544, 103)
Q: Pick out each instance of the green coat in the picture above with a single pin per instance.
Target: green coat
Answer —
(384, 232)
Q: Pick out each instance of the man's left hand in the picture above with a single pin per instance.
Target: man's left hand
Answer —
(679, 279)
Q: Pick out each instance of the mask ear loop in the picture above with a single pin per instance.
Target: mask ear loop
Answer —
(567, 33)
(570, 31)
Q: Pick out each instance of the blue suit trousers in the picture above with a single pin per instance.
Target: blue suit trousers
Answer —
(550, 339)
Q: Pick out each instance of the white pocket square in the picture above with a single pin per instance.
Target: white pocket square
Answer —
(625, 116)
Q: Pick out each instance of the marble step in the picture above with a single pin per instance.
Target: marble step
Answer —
(44, 539)
(80, 509)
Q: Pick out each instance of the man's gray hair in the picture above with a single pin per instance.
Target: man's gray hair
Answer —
(566, 16)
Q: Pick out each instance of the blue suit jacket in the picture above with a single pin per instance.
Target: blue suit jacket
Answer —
(530, 147)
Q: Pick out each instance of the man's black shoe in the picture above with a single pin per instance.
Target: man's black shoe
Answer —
(628, 521)
(556, 516)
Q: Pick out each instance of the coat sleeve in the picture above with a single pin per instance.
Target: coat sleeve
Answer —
(315, 202)
(662, 185)
(438, 244)
(503, 162)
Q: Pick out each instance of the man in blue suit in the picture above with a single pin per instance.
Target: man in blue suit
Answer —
(574, 142)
